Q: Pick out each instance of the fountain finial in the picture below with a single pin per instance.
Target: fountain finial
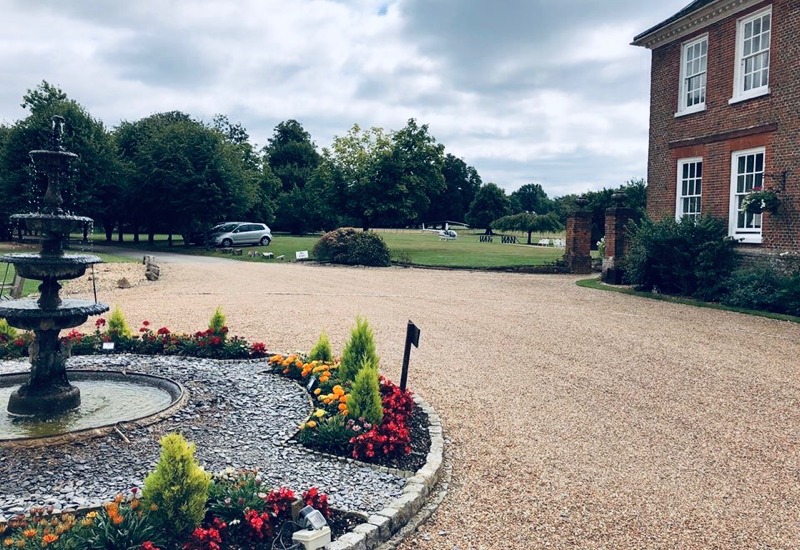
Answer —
(57, 122)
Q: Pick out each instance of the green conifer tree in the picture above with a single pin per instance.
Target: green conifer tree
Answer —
(359, 349)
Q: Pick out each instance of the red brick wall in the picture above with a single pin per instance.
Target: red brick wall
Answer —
(780, 110)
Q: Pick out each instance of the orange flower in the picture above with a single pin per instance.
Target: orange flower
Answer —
(47, 539)
(342, 406)
(343, 399)
(29, 533)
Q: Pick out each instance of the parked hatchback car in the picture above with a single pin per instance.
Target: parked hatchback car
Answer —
(239, 233)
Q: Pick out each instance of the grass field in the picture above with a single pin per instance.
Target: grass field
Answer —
(422, 248)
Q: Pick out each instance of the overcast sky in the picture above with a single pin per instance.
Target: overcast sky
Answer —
(527, 91)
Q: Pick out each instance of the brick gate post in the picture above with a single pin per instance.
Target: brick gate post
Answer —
(617, 240)
(578, 253)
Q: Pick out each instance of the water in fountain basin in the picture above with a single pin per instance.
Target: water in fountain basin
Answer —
(103, 403)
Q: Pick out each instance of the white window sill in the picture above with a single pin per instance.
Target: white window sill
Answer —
(749, 95)
(748, 239)
(691, 110)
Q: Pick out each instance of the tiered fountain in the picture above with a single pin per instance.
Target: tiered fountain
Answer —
(48, 390)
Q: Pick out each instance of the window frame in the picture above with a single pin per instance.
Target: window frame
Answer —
(745, 235)
(683, 109)
(679, 196)
(739, 93)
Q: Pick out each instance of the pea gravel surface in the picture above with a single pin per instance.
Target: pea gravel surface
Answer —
(574, 418)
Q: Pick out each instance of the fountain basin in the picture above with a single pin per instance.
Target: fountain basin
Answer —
(62, 224)
(32, 265)
(107, 399)
(26, 314)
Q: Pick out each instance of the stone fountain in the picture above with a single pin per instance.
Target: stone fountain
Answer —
(48, 391)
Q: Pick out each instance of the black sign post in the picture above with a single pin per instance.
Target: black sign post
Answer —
(412, 337)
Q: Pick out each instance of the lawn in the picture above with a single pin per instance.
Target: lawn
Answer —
(423, 248)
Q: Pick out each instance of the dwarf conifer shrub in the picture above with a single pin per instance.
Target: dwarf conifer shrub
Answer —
(322, 350)
(177, 490)
(7, 330)
(359, 349)
(217, 321)
(349, 246)
(364, 400)
(117, 325)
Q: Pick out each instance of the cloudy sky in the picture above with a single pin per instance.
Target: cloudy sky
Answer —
(527, 91)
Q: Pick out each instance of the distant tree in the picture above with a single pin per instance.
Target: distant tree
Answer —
(93, 188)
(635, 192)
(461, 185)
(291, 155)
(529, 223)
(531, 198)
(490, 203)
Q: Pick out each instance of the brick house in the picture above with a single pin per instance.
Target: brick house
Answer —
(725, 116)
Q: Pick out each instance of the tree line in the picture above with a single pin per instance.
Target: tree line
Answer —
(170, 173)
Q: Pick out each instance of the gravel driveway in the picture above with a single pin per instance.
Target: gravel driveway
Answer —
(577, 418)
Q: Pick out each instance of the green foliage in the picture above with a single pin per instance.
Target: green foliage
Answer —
(178, 487)
(331, 435)
(118, 525)
(359, 349)
(529, 222)
(490, 203)
(689, 258)
(531, 198)
(217, 321)
(7, 330)
(461, 184)
(364, 400)
(352, 247)
(322, 350)
(117, 325)
(764, 288)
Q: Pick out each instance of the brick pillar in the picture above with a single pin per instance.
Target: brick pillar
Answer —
(617, 240)
(578, 253)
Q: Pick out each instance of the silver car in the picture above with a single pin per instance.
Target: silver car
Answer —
(239, 233)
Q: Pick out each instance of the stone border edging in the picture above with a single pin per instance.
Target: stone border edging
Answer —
(410, 508)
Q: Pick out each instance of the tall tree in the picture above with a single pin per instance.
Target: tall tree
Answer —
(291, 155)
(529, 223)
(490, 203)
(461, 185)
(93, 188)
(531, 198)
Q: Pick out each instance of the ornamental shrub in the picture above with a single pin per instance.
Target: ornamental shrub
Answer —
(322, 350)
(358, 350)
(7, 330)
(217, 321)
(687, 257)
(365, 397)
(350, 246)
(177, 490)
(764, 288)
(117, 325)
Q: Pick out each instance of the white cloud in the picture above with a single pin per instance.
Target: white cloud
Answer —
(522, 89)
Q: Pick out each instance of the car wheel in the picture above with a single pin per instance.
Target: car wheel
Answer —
(265, 241)
(227, 243)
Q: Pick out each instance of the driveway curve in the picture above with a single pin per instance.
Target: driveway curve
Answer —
(575, 418)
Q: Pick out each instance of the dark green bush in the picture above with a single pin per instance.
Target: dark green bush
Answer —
(687, 257)
(764, 288)
(352, 247)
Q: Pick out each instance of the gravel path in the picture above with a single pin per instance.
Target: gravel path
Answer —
(577, 418)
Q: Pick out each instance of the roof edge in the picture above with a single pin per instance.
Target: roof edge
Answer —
(693, 17)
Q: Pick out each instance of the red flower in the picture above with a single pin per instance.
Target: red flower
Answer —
(146, 323)
(100, 322)
(163, 331)
(149, 546)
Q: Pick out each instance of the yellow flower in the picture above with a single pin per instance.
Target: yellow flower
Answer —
(311, 424)
(319, 413)
(8, 542)
(317, 391)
